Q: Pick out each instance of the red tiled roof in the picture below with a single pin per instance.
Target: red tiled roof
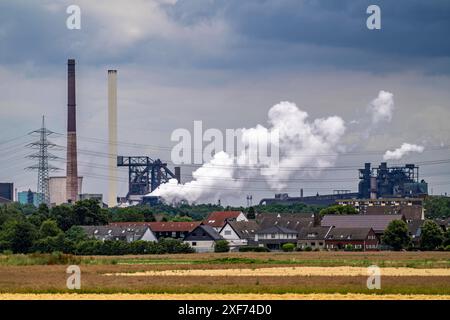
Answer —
(217, 219)
(163, 226)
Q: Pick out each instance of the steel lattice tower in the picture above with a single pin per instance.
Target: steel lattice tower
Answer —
(43, 167)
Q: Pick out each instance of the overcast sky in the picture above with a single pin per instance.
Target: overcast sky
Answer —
(225, 62)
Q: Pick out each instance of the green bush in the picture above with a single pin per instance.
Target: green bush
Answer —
(288, 247)
(349, 247)
(221, 246)
(253, 249)
(447, 248)
(112, 248)
(308, 249)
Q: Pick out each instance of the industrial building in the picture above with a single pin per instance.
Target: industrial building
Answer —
(390, 182)
(410, 208)
(375, 183)
(145, 175)
(58, 191)
(29, 197)
(317, 200)
(6, 192)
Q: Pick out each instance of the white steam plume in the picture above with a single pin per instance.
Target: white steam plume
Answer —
(404, 149)
(302, 144)
(382, 107)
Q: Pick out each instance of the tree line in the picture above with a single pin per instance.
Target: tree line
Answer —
(25, 229)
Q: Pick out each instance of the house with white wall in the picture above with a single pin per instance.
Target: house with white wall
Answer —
(239, 233)
(217, 219)
(203, 238)
(274, 237)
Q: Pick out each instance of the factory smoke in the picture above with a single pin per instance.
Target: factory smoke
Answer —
(305, 147)
(382, 107)
(404, 149)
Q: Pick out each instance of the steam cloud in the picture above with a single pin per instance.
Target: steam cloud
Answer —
(382, 107)
(404, 149)
(302, 145)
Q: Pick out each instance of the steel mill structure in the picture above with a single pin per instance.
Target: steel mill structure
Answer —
(145, 175)
(72, 164)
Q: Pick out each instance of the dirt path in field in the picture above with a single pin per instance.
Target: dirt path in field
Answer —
(204, 296)
(291, 271)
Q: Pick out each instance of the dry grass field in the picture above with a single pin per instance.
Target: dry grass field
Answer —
(299, 275)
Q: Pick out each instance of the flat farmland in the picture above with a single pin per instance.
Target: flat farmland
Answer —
(299, 275)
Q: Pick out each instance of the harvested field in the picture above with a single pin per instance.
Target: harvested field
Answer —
(298, 275)
(290, 271)
(220, 297)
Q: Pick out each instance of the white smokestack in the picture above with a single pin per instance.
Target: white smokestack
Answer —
(112, 133)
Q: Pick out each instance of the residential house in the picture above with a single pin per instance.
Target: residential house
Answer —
(409, 212)
(175, 230)
(378, 223)
(392, 205)
(313, 237)
(359, 238)
(295, 221)
(415, 231)
(120, 233)
(218, 219)
(275, 236)
(203, 238)
(239, 233)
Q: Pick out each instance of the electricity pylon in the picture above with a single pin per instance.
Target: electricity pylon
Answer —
(43, 167)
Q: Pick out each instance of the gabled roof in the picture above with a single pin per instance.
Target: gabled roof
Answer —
(378, 223)
(217, 219)
(109, 232)
(244, 229)
(208, 230)
(295, 221)
(348, 233)
(313, 233)
(412, 212)
(163, 226)
(415, 228)
(276, 229)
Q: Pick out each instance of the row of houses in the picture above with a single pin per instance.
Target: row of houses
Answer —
(332, 232)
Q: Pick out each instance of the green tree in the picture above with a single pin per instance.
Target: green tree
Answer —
(431, 236)
(221, 246)
(19, 235)
(64, 216)
(339, 210)
(49, 228)
(396, 235)
(446, 241)
(89, 212)
(437, 207)
(251, 214)
(288, 247)
(76, 234)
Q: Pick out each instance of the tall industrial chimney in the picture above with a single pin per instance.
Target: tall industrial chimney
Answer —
(72, 165)
(112, 130)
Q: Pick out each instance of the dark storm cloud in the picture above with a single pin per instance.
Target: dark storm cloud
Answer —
(330, 33)
(261, 34)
